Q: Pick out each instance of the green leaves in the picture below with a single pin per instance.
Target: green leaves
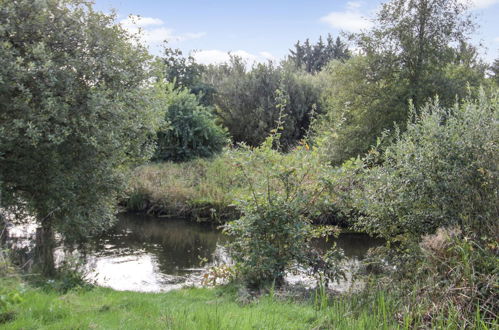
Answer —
(441, 172)
(275, 231)
(191, 131)
(76, 109)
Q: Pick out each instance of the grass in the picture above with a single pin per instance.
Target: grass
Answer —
(207, 189)
(202, 189)
(191, 308)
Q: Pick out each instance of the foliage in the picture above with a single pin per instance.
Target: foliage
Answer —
(190, 130)
(415, 38)
(10, 296)
(201, 189)
(184, 72)
(246, 100)
(495, 71)
(358, 104)
(312, 58)
(416, 50)
(275, 231)
(448, 278)
(75, 111)
(441, 172)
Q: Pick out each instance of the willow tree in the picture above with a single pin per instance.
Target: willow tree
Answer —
(76, 109)
(417, 49)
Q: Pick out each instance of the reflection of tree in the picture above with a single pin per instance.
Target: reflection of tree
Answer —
(175, 244)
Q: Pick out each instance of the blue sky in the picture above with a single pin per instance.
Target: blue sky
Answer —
(260, 30)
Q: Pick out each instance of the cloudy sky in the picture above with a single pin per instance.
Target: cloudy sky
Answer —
(260, 30)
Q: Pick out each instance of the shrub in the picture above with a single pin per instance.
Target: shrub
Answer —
(191, 130)
(443, 171)
(441, 176)
(275, 231)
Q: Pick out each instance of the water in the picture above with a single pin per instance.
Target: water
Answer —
(148, 254)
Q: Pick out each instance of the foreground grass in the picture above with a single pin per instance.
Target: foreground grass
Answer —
(102, 308)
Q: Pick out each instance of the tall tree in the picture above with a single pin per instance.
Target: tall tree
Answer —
(418, 38)
(75, 111)
(185, 72)
(313, 58)
(417, 50)
(246, 100)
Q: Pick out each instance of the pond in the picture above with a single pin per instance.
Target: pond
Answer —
(144, 253)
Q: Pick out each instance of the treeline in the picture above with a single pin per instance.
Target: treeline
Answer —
(334, 97)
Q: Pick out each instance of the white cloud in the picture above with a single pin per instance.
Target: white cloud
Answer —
(215, 56)
(267, 56)
(134, 21)
(496, 39)
(480, 4)
(153, 32)
(351, 20)
(354, 4)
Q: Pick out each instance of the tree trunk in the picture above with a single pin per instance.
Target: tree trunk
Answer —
(44, 249)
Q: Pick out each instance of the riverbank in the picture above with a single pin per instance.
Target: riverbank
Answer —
(218, 308)
(207, 190)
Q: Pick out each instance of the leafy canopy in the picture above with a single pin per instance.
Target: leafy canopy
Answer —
(76, 109)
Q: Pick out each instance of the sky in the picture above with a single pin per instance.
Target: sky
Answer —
(260, 30)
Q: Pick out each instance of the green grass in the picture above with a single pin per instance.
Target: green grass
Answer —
(102, 308)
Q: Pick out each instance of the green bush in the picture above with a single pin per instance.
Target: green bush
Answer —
(443, 171)
(190, 130)
(246, 100)
(441, 175)
(275, 231)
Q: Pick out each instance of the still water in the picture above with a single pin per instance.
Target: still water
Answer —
(149, 254)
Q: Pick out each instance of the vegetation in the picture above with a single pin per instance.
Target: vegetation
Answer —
(209, 308)
(246, 101)
(190, 131)
(313, 58)
(399, 141)
(438, 209)
(73, 115)
(406, 56)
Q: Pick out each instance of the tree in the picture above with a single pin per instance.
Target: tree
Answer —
(76, 109)
(186, 73)
(246, 100)
(190, 130)
(417, 37)
(313, 58)
(418, 49)
(495, 70)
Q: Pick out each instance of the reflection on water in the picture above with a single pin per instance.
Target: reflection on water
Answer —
(177, 246)
(144, 253)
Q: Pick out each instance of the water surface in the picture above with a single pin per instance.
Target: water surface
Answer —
(144, 253)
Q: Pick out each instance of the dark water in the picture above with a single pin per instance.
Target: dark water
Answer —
(144, 253)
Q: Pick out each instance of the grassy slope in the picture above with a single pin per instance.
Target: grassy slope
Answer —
(184, 309)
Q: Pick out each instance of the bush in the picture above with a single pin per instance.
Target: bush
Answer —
(443, 171)
(246, 100)
(441, 176)
(275, 231)
(191, 130)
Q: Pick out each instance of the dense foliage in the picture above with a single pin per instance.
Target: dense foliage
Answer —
(417, 50)
(190, 130)
(75, 110)
(246, 100)
(442, 171)
(313, 58)
(81, 101)
(275, 232)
